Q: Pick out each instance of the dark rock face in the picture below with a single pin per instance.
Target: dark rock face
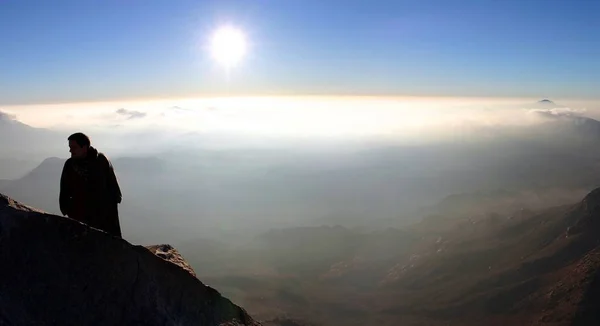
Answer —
(56, 271)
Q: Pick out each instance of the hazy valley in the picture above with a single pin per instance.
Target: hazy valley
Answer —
(460, 230)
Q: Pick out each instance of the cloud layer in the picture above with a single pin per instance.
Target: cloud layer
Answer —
(303, 116)
(559, 112)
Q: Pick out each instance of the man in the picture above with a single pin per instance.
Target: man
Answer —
(89, 190)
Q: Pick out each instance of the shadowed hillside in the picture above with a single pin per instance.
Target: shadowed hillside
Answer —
(99, 279)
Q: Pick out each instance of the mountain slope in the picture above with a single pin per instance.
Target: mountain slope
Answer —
(526, 268)
(58, 271)
(540, 270)
(17, 138)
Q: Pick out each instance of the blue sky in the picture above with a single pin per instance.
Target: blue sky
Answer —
(84, 50)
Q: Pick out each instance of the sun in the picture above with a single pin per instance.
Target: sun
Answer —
(228, 46)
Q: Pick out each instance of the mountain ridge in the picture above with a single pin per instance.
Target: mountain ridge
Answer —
(100, 279)
(535, 264)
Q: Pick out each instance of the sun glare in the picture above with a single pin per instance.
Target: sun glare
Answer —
(228, 46)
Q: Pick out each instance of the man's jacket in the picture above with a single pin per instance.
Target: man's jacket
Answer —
(90, 192)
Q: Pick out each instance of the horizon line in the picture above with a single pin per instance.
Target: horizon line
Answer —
(284, 95)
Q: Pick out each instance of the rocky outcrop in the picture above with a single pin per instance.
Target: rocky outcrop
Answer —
(170, 254)
(57, 271)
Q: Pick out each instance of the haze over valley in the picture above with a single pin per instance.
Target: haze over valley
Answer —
(315, 162)
(214, 183)
(268, 205)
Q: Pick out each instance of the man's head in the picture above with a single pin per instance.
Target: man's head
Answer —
(79, 144)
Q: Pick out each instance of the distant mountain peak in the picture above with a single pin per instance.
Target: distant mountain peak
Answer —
(7, 117)
(10, 120)
(547, 104)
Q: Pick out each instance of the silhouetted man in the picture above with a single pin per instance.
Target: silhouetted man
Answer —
(89, 190)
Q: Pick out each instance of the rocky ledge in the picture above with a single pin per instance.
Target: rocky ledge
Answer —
(57, 271)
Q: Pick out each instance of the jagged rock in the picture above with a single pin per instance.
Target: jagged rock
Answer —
(57, 271)
(170, 254)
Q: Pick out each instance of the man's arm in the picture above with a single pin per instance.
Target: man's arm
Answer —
(112, 182)
(65, 191)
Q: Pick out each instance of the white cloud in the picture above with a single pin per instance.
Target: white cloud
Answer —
(559, 112)
(131, 114)
(296, 116)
